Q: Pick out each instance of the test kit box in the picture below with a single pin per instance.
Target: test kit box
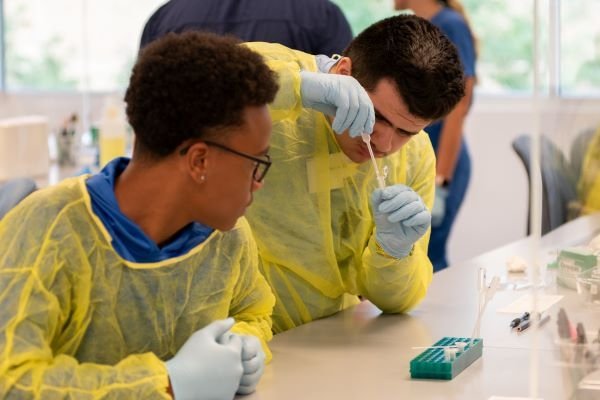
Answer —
(573, 261)
(24, 147)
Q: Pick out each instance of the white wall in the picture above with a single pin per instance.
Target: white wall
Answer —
(55, 106)
(495, 210)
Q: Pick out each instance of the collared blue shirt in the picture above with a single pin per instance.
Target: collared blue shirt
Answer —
(128, 239)
(311, 26)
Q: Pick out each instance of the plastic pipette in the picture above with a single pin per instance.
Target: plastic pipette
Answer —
(380, 178)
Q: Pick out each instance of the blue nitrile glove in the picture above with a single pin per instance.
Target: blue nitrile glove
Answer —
(340, 96)
(401, 218)
(253, 361)
(204, 368)
(439, 206)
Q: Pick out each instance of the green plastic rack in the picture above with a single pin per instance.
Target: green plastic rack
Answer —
(430, 364)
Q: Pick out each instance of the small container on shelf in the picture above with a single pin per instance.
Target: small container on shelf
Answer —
(588, 286)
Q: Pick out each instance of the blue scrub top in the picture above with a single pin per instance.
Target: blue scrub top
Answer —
(312, 26)
(128, 239)
(456, 29)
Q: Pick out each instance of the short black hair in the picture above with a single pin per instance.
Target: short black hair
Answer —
(187, 85)
(417, 56)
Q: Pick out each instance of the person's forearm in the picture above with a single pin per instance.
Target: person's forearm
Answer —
(392, 284)
(136, 376)
(287, 104)
(395, 285)
(451, 135)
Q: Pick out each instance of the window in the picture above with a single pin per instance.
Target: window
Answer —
(361, 14)
(504, 30)
(580, 47)
(91, 45)
(503, 65)
(72, 44)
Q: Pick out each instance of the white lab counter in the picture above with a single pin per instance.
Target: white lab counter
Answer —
(362, 354)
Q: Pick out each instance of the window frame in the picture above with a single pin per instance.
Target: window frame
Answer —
(552, 78)
(2, 50)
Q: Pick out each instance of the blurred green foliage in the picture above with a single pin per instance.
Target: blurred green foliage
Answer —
(44, 72)
(503, 29)
(503, 64)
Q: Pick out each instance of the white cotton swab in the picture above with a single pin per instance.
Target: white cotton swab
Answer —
(380, 178)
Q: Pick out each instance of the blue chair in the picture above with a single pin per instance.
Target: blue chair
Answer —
(13, 191)
(559, 194)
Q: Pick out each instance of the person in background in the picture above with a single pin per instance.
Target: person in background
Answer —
(453, 169)
(311, 26)
(120, 285)
(13, 191)
(326, 234)
(589, 179)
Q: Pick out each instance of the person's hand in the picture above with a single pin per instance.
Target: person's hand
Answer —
(204, 368)
(439, 206)
(253, 361)
(401, 218)
(340, 96)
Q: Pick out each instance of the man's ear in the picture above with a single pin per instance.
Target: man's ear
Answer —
(343, 66)
(196, 161)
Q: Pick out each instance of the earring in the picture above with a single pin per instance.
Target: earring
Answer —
(202, 178)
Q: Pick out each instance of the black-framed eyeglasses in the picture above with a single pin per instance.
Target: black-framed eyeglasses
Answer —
(260, 169)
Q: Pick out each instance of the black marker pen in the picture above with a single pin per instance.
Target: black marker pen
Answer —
(525, 324)
(515, 322)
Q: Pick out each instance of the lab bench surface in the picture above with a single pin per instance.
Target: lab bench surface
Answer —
(361, 353)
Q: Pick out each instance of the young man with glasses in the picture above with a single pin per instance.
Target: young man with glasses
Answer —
(326, 233)
(118, 285)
